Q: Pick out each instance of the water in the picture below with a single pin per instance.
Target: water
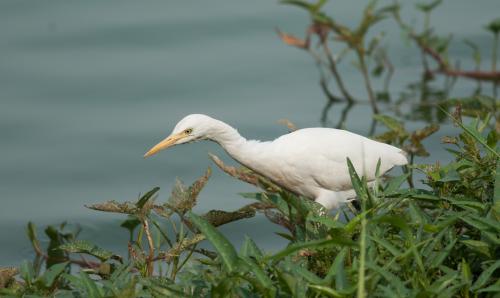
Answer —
(88, 86)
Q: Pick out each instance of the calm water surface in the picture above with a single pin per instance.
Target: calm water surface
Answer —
(87, 86)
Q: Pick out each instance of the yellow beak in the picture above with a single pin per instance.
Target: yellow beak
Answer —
(168, 142)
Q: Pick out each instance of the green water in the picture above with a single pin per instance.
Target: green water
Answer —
(87, 86)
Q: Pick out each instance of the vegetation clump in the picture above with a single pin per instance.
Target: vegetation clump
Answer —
(438, 237)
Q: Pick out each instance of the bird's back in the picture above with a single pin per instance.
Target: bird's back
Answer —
(317, 158)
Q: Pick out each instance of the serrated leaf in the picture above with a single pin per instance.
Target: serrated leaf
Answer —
(114, 206)
(83, 246)
(220, 217)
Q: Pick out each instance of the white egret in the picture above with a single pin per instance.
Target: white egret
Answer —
(309, 162)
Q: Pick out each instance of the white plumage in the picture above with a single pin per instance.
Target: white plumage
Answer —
(311, 162)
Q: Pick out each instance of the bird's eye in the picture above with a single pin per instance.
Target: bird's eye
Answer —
(188, 131)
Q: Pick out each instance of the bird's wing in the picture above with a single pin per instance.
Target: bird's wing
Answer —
(319, 156)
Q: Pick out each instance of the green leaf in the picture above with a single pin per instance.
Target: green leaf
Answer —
(496, 193)
(391, 123)
(395, 183)
(55, 255)
(307, 275)
(50, 275)
(300, 3)
(386, 244)
(326, 291)
(311, 244)
(358, 186)
(485, 276)
(329, 222)
(250, 249)
(337, 271)
(221, 244)
(494, 26)
(286, 236)
(273, 199)
(130, 224)
(90, 286)
(481, 223)
(260, 275)
(391, 278)
(84, 246)
(146, 197)
(31, 230)
(493, 288)
(466, 203)
(442, 255)
(449, 176)
(427, 7)
(479, 246)
(471, 130)
(27, 272)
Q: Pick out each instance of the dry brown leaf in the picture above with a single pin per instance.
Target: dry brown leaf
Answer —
(293, 41)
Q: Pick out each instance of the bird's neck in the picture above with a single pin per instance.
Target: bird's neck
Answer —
(242, 150)
(225, 135)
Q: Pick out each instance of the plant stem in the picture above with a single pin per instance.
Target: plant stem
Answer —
(494, 54)
(427, 21)
(494, 62)
(362, 248)
(409, 169)
(333, 68)
(368, 85)
(150, 258)
(179, 248)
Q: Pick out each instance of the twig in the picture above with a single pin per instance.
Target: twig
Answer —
(333, 69)
(368, 85)
(446, 70)
(150, 258)
(248, 177)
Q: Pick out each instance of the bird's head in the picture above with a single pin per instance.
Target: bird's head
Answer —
(191, 128)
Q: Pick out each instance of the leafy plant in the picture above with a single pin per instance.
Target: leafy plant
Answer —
(439, 238)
